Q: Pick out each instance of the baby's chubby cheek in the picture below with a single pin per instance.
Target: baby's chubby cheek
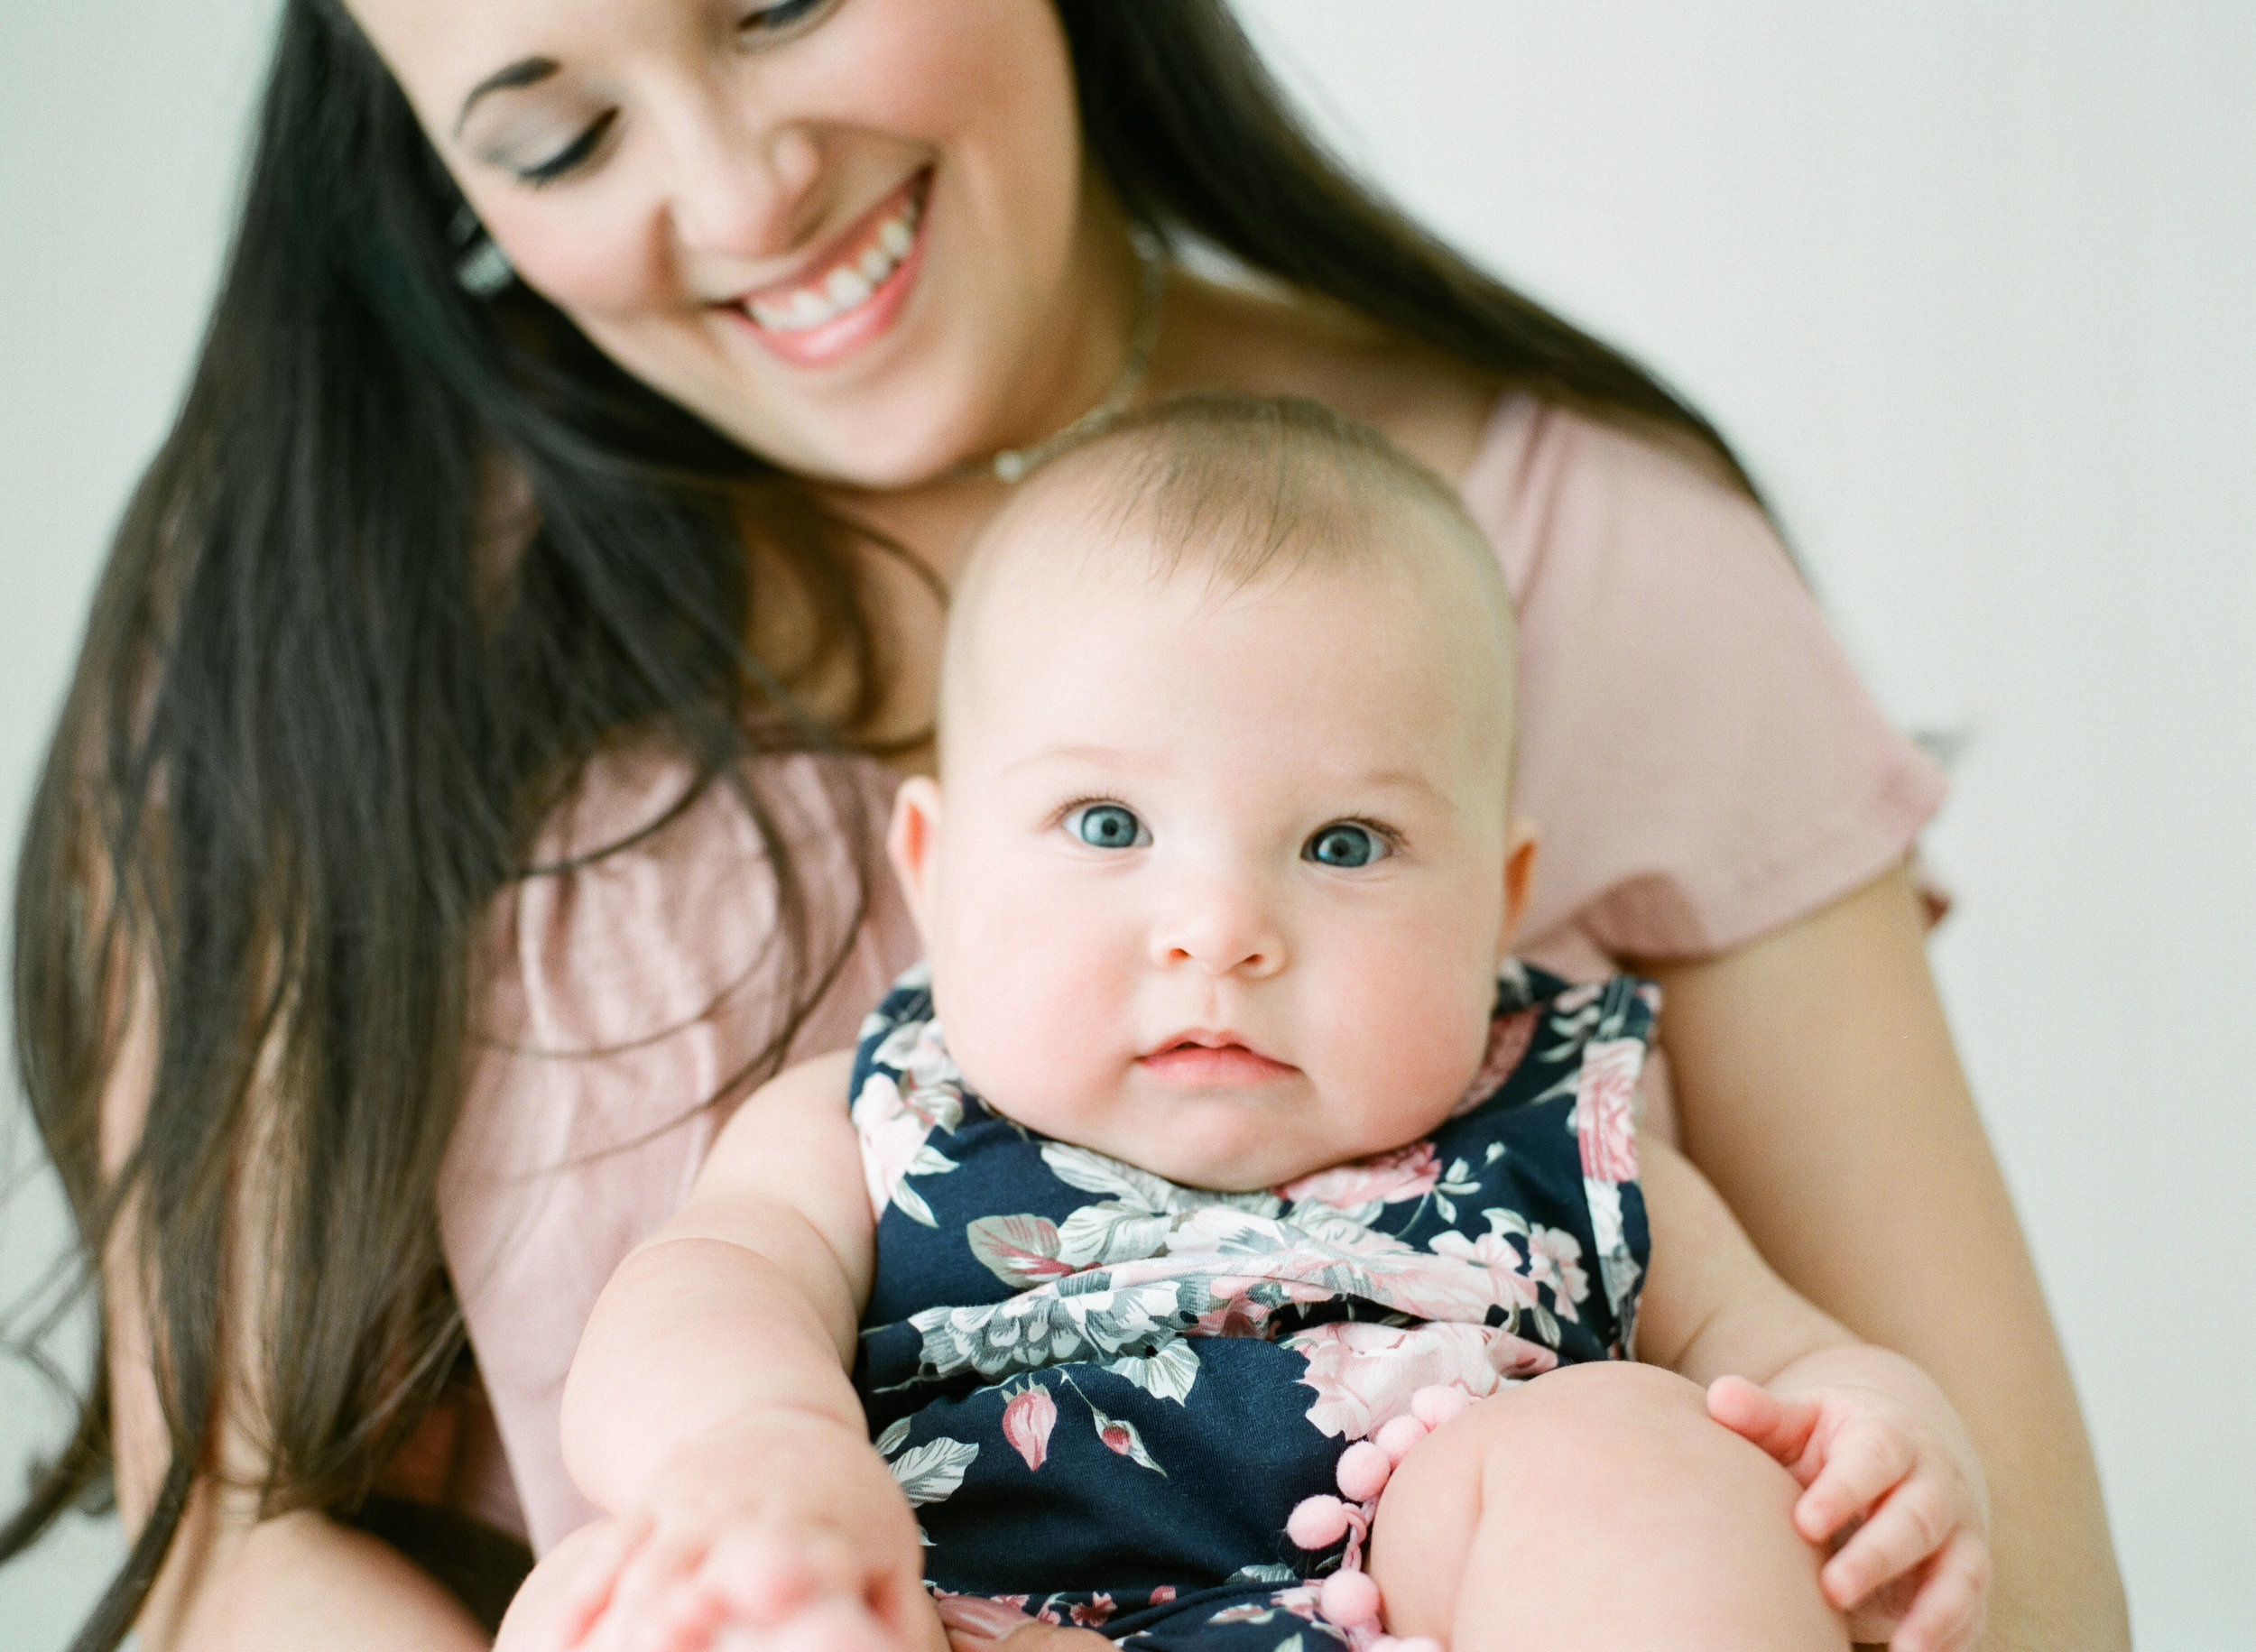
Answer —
(1394, 1066)
(1034, 1032)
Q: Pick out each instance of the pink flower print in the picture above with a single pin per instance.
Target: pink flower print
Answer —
(1300, 1600)
(1364, 1374)
(1509, 1036)
(1095, 1614)
(1493, 1253)
(1604, 1110)
(1235, 1314)
(979, 1617)
(1163, 1594)
(1027, 1421)
(1406, 1173)
(935, 1088)
(1554, 1258)
(893, 1149)
(1122, 1437)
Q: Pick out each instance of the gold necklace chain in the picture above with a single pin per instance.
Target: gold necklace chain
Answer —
(1011, 463)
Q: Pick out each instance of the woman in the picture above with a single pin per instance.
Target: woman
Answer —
(467, 789)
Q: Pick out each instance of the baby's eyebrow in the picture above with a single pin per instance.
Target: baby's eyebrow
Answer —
(1401, 779)
(1096, 756)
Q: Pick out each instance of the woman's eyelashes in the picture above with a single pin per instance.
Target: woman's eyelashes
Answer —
(761, 26)
(1107, 826)
(777, 17)
(1347, 845)
(573, 155)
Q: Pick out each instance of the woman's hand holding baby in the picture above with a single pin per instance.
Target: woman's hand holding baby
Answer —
(783, 1531)
(1889, 1475)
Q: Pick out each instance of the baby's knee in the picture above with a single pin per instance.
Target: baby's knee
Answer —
(1582, 1437)
(1617, 1475)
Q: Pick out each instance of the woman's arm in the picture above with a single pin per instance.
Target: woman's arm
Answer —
(297, 1581)
(1819, 1093)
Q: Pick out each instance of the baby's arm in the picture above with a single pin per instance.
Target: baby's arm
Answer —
(708, 1409)
(1867, 1436)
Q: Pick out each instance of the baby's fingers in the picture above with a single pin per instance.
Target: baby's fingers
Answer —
(649, 1597)
(766, 1578)
(1901, 1533)
(1780, 1424)
(1948, 1612)
(1860, 1464)
(596, 1576)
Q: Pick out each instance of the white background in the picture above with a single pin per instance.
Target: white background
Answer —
(1974, 287)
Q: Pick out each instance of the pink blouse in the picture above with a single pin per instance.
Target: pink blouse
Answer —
(1700, 762)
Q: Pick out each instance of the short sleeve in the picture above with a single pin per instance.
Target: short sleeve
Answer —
(1699, 762)
(622, 999)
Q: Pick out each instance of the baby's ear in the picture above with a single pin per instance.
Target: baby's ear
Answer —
(1518, 876)
(912, 843)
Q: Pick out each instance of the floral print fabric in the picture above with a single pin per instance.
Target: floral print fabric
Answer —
(1104, 1392)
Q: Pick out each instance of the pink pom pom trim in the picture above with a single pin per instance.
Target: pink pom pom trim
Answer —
(1317, 1522)
(1363, 1471)
(1396, 1438)
(1349, 1598)
(1436, 1406)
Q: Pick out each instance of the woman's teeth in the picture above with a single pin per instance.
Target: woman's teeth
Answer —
(847, 283)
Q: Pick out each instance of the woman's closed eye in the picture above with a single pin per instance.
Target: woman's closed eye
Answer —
(573, 155)
(1347, 845)
(1107, 826)
(758, 24)
(761, 26)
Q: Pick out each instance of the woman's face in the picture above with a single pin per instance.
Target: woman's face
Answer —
(853, 234)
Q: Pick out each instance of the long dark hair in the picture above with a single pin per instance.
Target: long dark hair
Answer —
(328, 693)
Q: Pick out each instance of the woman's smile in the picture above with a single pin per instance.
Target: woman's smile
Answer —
(852, 289)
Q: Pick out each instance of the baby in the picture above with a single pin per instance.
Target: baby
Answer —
(1196, 1283)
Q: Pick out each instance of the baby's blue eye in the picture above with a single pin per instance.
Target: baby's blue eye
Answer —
(1107, 826)
(1343, 844)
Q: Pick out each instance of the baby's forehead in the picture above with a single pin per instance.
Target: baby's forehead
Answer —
(1089, 523)
(1065, 578)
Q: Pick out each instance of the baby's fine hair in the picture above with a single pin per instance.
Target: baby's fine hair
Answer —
(1240, 490)
(1240, 482)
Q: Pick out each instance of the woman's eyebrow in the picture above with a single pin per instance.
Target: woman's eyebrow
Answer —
(525, 71)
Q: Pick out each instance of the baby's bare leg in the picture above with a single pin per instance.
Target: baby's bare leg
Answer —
(1597, 1507)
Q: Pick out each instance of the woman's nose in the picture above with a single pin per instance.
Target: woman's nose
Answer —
(1222, 925)
(738, 186)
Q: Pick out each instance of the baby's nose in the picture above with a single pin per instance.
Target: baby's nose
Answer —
(1222, 927)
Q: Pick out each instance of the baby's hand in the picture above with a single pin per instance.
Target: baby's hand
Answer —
(788, 1535)
(1904, 1491)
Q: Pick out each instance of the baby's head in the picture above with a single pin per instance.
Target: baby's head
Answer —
(1226, 864)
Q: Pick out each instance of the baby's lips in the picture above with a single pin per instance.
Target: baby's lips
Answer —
(1205, 1064)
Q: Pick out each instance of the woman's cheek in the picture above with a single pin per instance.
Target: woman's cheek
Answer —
(592, 263)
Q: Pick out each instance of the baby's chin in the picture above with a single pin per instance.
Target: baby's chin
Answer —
(1222, 1154)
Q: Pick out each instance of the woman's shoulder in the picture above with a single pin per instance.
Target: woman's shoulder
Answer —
(1232, 335)
(1550, 482)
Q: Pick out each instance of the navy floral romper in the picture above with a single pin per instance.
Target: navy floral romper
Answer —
(1104, 1393)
